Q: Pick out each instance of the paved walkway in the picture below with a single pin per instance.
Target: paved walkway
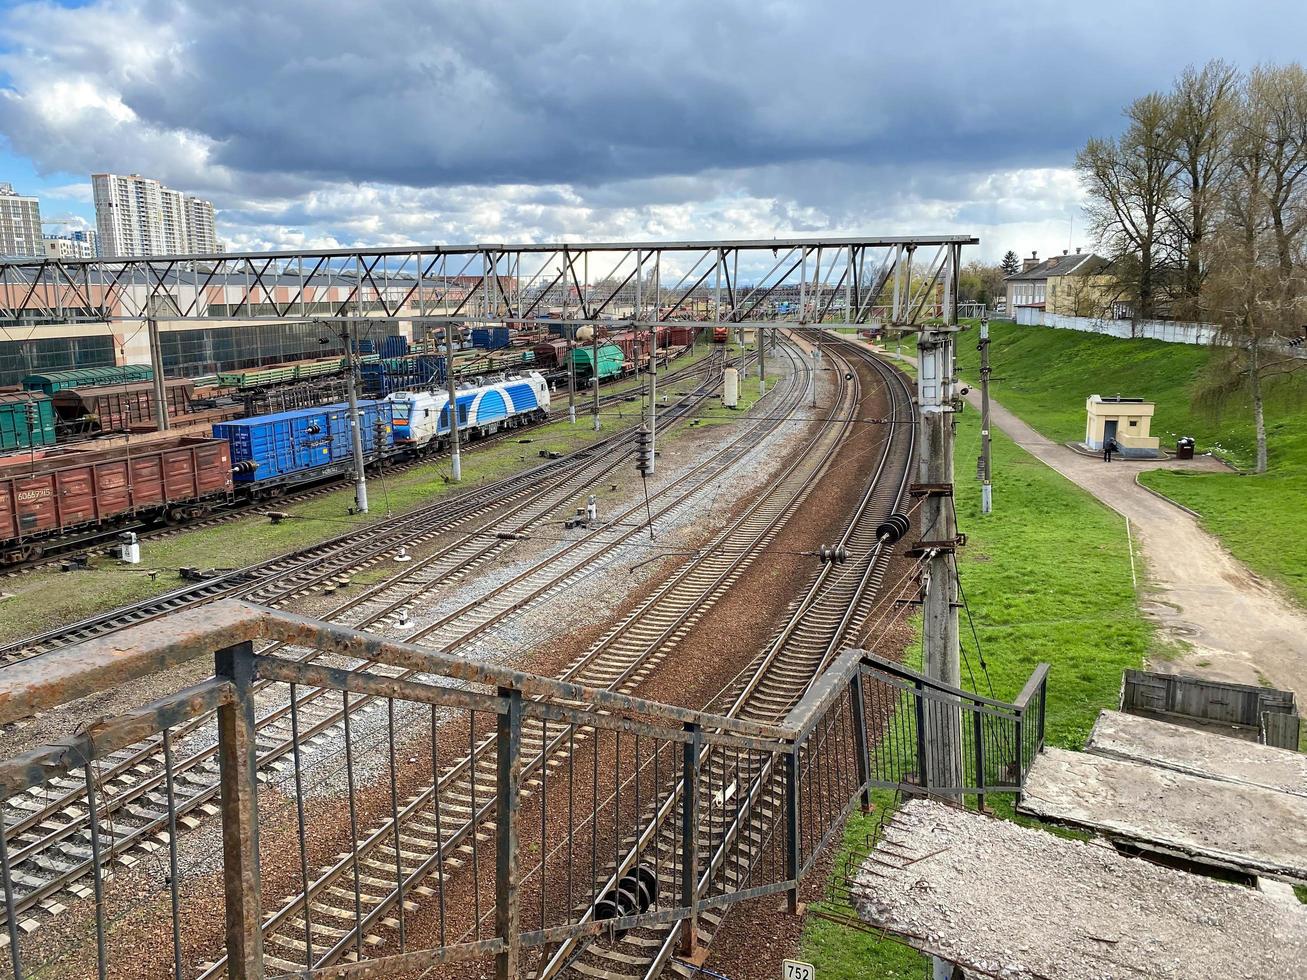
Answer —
(1237, 627)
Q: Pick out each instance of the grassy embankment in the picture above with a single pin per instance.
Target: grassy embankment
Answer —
(1023, 570)
(45, 599)
(1045, 375)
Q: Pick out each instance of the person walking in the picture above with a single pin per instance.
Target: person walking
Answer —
(1109, 446)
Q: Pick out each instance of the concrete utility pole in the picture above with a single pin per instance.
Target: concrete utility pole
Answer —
(355, 423)
(571, 373)
(455, 459)
(570, 335)
(594, 359)
(942, 661)
(760, 337)
(986, 491)
(939, 534)
(161, 421)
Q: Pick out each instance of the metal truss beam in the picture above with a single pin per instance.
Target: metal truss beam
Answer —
(804, 281)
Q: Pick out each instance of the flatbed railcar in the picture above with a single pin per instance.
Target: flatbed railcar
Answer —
(72, 495)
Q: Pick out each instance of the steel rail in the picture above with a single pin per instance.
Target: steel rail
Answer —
(301, 570)
(457, 779)
(133, 760)
(795, 680)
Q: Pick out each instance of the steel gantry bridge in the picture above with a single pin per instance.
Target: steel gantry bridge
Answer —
(783, 280)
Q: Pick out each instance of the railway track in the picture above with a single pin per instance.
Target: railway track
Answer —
(416, 842)
(832, 610)
(85, 547)
(277, 580)
(44, 833)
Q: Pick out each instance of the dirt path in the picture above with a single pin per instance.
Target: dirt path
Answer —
(1233, 625)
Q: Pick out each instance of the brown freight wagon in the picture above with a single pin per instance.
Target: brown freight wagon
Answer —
(627, 341)
(114, 408)
(683, 336)
(71, 496)
(550, 354)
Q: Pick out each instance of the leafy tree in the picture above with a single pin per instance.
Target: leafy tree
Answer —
(1011, 264)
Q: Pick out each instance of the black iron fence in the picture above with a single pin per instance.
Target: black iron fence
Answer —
(385, 809)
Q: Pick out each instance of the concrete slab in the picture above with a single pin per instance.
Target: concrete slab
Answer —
(1197, 753)
(1007, 901)
(1235, 825)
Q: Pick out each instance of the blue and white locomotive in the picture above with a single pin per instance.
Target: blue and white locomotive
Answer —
(421, 418)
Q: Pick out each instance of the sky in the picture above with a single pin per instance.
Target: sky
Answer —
(322, 123)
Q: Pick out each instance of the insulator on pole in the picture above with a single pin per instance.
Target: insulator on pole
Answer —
(643, 451)
(892, 529)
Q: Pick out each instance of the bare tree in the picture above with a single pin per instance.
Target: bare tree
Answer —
(1202, 111)
(1257, 256)
(1131, 185)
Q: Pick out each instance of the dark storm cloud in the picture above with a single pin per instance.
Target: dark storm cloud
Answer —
(813, 114)
(442, 92)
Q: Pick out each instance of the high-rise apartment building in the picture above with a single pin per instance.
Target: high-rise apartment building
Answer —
(136, 215)
(201, 237)
(20, 224)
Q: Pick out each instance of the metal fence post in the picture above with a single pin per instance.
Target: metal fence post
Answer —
(508, 914)
(1043, 712)
(690, 839)
(240, 814)
(1021, 750)
(858, 707)
(978, 736)
(792, 850)
(923, 766)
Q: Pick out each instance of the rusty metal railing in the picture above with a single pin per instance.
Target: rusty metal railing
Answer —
(469, 812)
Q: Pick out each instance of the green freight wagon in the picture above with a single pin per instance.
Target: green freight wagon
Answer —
(258, 377)
(611, 361)
(26, 419)
(51, 381)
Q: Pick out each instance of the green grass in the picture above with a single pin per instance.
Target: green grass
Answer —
(1045, 375)
(46, 599)
(1024, 570)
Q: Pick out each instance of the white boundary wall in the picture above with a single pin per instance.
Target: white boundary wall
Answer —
(1165, 330)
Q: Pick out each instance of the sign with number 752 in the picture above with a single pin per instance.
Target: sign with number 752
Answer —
(795, 970)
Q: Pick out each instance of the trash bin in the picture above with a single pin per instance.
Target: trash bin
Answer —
(1184, 448)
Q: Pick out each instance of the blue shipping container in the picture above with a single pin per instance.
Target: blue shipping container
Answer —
(394, 346)
(492, 338)
(374, 425)
(414, 373)
(272, 446)
(289, 443)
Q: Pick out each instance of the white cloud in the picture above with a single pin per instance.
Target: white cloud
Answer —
(79, 192)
